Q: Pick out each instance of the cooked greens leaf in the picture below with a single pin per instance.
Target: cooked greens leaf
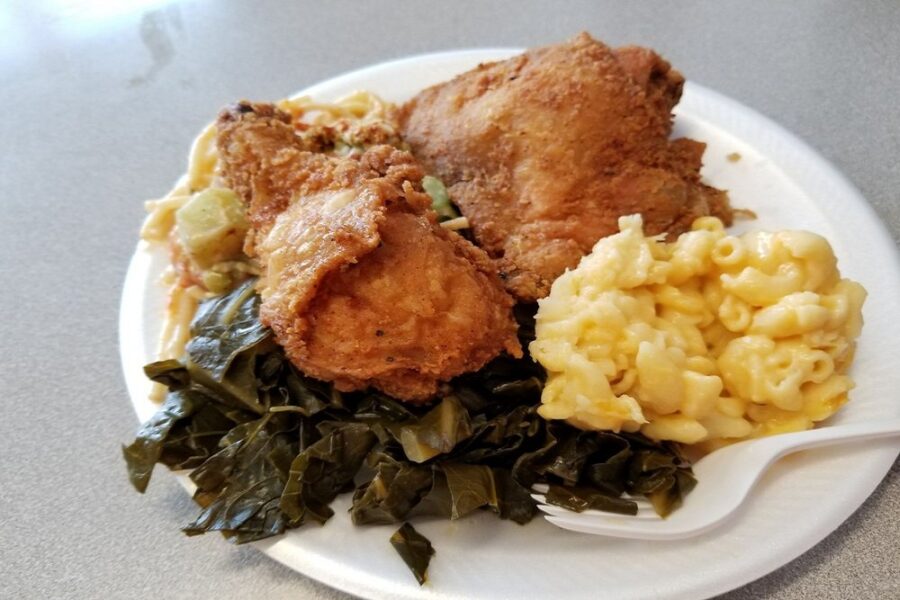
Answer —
(667, 499)
(607, 471)
(248, 487)
(240, 486)
(379, 406)
(223, 327)
(580, 499)
(170, 373)
(304, 394)
(516, 503)
(146, 450)
(438, 432)
(415, 550)
(661, 478)
(237, 387)
(499, 441)
(523, 388)
(323, 471)
(571, 455)
(389, 497)
(471, 487)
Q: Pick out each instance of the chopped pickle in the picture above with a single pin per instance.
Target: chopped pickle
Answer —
(217, 283)
(212, 226)
(440, 199)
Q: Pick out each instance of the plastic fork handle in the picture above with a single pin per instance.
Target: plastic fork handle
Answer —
(825, 436)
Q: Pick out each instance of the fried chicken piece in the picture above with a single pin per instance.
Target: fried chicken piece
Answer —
(360, 284)
(545, 151)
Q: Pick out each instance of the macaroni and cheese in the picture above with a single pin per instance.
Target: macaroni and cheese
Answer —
(709, 339)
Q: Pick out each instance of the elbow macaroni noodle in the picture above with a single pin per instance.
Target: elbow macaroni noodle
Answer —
(710, 339)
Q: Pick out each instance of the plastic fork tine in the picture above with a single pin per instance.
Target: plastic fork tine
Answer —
(645, 509)
(643, 513)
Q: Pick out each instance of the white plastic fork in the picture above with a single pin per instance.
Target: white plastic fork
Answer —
(724, 480)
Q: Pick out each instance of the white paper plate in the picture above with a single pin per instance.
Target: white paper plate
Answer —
(800, 501)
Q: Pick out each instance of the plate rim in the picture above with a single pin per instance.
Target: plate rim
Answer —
(133, 304)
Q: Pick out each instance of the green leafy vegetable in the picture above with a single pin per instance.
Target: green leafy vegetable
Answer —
(170, 373)
(471, 487)
(659, 477)
(269, 448)
(147, 448)
(440, 199)
(438, 432)
(612, 464)
(392, 493)
(580, 499)
(322, 471)
(241, 485)
(516, 503)
(223, 328)
(415, 550)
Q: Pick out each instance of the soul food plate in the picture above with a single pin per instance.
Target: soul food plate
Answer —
(797, 503)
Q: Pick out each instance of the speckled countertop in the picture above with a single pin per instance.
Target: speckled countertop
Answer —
(101, 99)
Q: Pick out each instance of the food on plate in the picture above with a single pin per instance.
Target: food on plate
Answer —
(350, 125)
(545, 151)
(414, 548)
(270, 448)
(210, 228)
(359, 283)
(710, 339)
(329, 331)
(355, 265)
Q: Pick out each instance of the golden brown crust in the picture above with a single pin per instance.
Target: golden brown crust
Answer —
(360, 284)
(544, 151)
(661, 83)
(420, 312)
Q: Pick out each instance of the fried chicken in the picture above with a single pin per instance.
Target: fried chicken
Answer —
(544, 151)
(359, 283)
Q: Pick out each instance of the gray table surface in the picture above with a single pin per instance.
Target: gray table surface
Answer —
(102, 99)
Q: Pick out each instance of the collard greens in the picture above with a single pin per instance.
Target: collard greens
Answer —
(269, 448)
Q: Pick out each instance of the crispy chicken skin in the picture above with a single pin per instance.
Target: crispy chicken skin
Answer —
(661, 83)
(544, 151)
(360, 284)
